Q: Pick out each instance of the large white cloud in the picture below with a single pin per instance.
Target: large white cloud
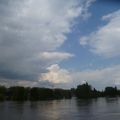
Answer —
(99, 78)
(56, 75)
(29, 28)
(106, 40)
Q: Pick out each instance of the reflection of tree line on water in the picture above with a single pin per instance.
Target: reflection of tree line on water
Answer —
(84, 91)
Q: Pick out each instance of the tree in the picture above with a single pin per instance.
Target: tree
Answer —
(2, 93)
(111, 91)
(17, 93)
(84, 91)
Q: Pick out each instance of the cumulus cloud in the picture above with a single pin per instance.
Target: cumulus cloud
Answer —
(62, 78)
(99, 78)
(29, 28)
(56, 75)
(106, 40)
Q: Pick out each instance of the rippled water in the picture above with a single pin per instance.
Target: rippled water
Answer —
(95, 109)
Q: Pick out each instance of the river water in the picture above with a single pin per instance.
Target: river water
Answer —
(95, 109)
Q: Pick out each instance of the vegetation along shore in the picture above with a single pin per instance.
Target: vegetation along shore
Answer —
(84, 91)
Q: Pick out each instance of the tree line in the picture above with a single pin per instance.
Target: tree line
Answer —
(18, 93)
(84, 91)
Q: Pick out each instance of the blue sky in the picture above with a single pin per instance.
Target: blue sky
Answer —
(60, 43)
(83, 57)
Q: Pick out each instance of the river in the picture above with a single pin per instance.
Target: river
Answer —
(73, 109)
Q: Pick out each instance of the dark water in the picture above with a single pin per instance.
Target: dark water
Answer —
(96, 109)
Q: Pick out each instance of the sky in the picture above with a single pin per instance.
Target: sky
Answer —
(58, 43)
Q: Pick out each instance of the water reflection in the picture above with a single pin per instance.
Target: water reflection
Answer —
(112, 100)
(102, 108)
(74, 109)
(86, 108)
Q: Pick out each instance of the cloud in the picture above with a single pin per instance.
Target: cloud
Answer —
(99, 78)
(56, 75)
(26, 83)
(55, 56)
(84, 40)
(29, 28)
(106, 40)
(85, 13)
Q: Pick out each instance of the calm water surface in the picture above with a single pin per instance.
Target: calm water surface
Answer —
(96, 109)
